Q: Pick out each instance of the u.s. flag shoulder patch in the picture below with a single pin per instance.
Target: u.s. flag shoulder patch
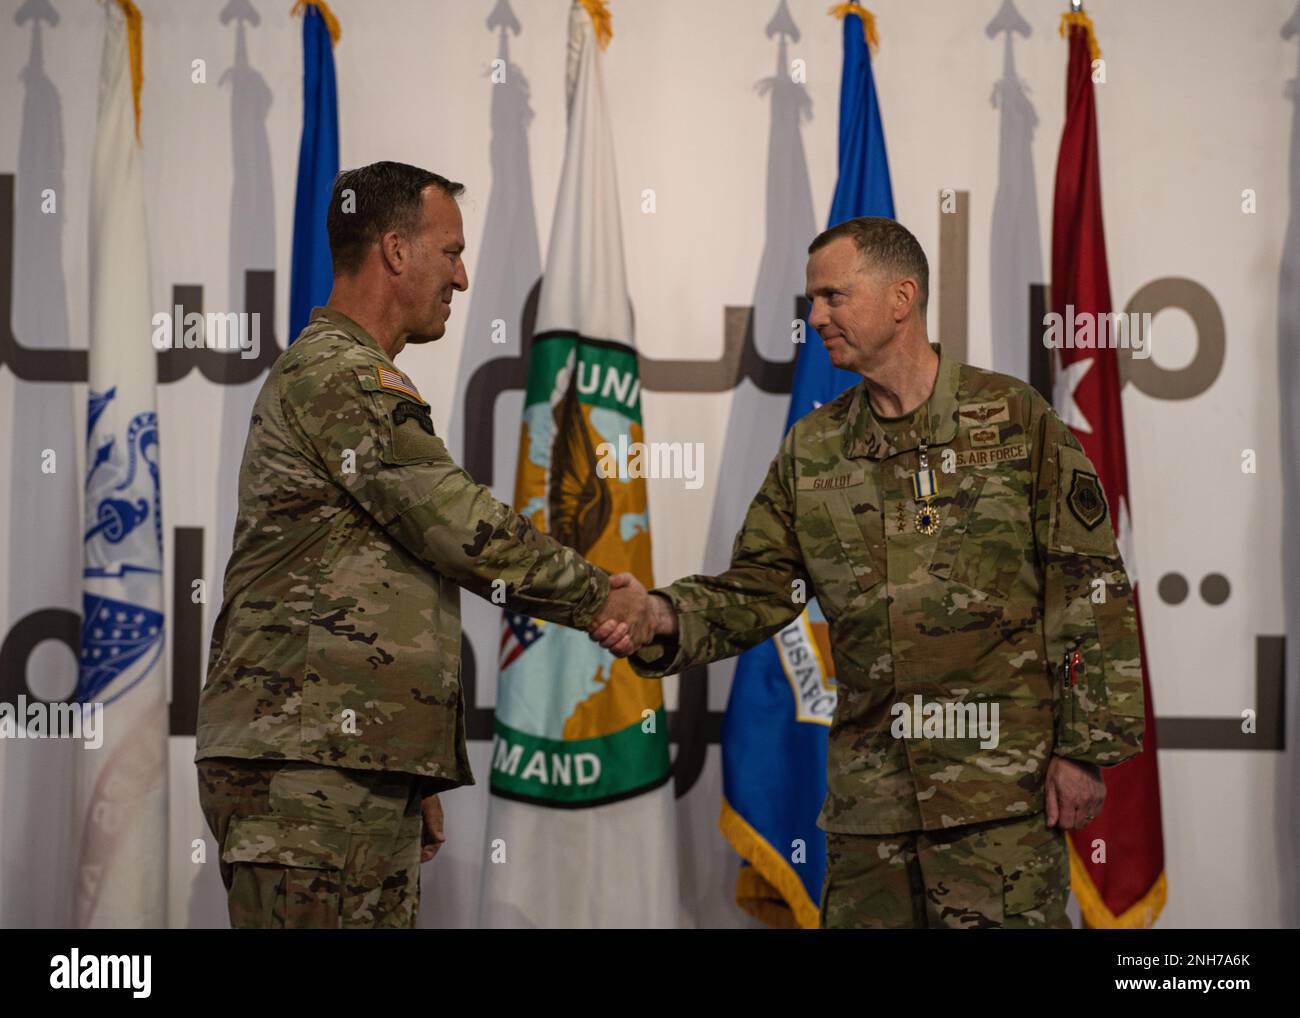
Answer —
(395, 381)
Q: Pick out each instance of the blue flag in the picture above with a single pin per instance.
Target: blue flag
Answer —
(783, 694)
(311, 276)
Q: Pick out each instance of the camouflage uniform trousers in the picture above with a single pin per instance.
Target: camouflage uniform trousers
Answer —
(1003, 874)
(303, 846)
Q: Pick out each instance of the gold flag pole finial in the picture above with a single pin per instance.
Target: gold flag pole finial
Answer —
(1075, 16)
(331, 22)
(865, 16)
(135, 43)
(601, 20)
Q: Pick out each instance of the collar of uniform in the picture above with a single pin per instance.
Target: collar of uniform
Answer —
(345, 324)
(866, 436)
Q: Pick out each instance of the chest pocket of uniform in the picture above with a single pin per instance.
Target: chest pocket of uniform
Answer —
(982, 542)
(835, 552)
(408, 436)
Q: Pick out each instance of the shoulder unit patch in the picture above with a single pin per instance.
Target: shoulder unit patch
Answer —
(411, 411)
(1085, 499)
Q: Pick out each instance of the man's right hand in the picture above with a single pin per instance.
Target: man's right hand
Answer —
(433, 837)
(624, 635)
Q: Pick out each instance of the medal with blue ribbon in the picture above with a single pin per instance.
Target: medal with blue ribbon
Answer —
(924, 490)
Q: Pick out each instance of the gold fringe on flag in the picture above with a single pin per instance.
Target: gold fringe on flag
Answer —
(865, 16)
(135, 43)
(1141, 915)
(768, 888)
(601, 20)
(1077, 18)
(331, 22)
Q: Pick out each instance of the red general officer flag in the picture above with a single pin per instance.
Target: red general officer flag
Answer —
(1126, 886)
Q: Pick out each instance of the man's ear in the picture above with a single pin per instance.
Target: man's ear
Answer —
(905, 294)
(392, 249)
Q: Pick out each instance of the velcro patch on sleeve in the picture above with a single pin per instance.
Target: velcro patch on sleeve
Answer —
(1082, 524)
(405, 411)
(1085, 499)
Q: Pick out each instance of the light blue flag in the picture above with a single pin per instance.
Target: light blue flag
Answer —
(311, 275)
(783, 693)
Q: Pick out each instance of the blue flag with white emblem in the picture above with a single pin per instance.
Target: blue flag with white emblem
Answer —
(311, 273)
(121, 793)
(783, 694)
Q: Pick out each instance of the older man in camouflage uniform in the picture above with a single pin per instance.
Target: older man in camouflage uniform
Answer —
(991, 588)
(333, 711)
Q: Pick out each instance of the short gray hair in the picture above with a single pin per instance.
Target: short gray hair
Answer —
(886, 244)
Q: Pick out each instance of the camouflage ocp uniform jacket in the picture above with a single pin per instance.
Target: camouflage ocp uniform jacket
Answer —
(1022, 571)
(338, 641)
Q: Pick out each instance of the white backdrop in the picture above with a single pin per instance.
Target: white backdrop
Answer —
(1194, 111)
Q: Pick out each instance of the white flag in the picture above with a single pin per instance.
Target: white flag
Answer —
(580, 829)
(121, 814)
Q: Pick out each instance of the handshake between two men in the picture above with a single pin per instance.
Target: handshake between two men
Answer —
(941, 598)
(631, 617)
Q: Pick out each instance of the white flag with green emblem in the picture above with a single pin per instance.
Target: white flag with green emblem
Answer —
(580, 827)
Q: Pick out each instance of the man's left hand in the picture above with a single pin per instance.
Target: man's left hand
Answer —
(433, 838)
(1075, 792)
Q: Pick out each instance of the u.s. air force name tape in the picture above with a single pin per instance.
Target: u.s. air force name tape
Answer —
(987, 457)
